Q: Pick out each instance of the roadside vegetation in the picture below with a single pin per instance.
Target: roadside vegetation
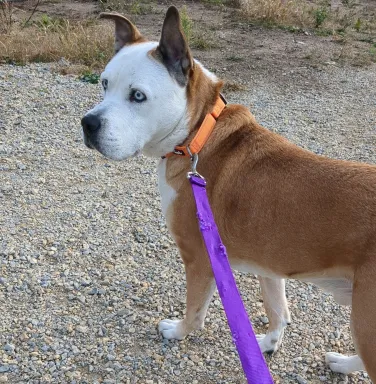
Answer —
(29, 35)
(45, 38)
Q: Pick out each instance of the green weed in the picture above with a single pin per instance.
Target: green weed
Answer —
(358, 25)
(290, 28)
(90, 77)
(320, 15)
(138, 8)
(196, 38)
(201, 41)
(186, 23)
(349, 3)
(52, 24)
(323, 32)
(214, 2)
(235, 59)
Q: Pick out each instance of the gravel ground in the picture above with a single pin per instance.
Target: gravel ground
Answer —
(88, 268)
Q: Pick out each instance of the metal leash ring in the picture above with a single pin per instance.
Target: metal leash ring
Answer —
(194, 160)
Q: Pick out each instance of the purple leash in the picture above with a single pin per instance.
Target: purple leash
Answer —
(253, 362)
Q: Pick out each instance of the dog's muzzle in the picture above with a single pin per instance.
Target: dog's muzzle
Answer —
(90, 125)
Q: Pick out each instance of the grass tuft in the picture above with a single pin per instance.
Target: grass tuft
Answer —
(186, 23)
(277, 12)
(196, 37)
(6, 16)
(320, 15)
(49, 40)
(349, 16)
(233, 86)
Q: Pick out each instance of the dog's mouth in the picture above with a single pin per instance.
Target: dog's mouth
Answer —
(87, 141)
(137, 153)
(89, 145)
(93, 144)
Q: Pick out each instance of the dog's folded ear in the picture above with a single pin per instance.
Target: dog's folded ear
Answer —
(125, 31)
(173, 48)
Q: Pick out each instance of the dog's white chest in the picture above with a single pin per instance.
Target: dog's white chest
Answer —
(168, 194)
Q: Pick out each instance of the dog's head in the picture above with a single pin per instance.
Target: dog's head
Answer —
(147, 90)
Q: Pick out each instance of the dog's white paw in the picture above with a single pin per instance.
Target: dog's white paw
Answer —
(270, 342)
(172, 329)
(343, 364)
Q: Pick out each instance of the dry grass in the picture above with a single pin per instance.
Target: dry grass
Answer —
(279, 12)
(6, 16)
(232, 86)
(79, 43)
(197, 36)
(134, 7)
(88, 44)
(353, 19)
(347, 17)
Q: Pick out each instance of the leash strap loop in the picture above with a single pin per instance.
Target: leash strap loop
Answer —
(253, 362)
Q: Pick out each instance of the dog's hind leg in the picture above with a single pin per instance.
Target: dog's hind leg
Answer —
(363, 322)
(200, 289)
(275, 303)
(344, 364)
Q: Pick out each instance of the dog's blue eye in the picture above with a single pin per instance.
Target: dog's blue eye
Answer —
(137, 96)
(104, 84)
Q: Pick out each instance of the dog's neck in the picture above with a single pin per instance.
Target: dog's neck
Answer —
(202, 92)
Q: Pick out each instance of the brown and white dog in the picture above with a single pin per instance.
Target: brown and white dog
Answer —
(282, 211)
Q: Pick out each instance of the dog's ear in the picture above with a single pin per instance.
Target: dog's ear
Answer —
(125, 31)
(173, 49)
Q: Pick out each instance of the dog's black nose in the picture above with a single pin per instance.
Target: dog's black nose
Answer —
(90, 123)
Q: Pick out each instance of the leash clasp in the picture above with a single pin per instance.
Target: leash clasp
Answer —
(194, 161)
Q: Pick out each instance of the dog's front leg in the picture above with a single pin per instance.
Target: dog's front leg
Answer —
(275, 303)
(200, 289)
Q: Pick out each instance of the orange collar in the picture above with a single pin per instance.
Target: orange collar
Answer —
(203, 133)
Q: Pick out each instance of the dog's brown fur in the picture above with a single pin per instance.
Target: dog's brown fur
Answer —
(281, 208)
(125, 31)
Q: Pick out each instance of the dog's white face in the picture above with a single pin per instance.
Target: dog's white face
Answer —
(144, 108)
